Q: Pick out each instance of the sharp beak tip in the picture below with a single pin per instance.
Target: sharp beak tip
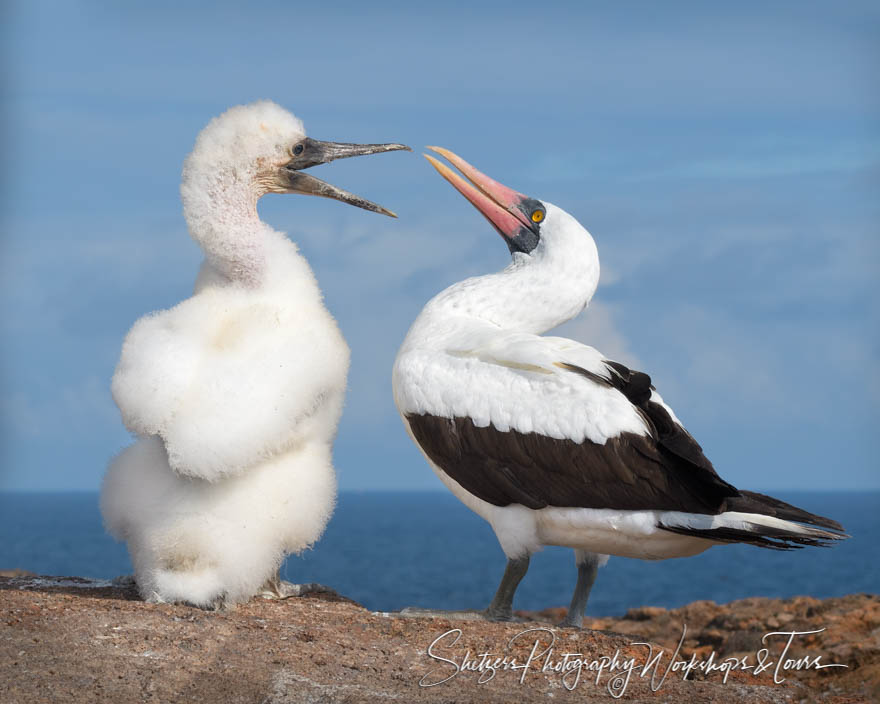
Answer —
(443, 152)
(448, 174)
(439, 165)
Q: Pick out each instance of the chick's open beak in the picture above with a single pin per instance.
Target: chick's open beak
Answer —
(314, 152)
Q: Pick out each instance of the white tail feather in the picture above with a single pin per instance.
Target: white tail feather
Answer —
(750, 522)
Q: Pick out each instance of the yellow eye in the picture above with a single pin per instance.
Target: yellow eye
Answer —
(537, 215)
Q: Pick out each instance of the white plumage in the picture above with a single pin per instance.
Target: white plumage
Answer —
(519, 381)
(236, 392)
(545, 438)
(461, 361)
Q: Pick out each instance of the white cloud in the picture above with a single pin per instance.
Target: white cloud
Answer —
(719, 360)
(596, 327)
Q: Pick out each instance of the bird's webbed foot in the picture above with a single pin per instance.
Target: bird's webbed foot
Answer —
(571, 621)
(488, 614)
(278, 589)
(124, 580)
(500, 614)
(501, 608)
(452, 615)
(218, 603)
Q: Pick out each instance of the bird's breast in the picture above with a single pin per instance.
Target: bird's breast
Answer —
(246, 324)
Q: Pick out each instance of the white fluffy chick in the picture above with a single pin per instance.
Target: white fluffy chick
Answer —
(236, 392)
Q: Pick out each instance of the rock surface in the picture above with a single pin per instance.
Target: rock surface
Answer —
(72, 640)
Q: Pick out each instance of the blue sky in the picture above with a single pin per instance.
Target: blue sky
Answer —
(725, 157)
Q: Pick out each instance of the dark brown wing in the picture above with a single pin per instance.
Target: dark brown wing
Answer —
(629, 472)
(669, 435)
(665, 470)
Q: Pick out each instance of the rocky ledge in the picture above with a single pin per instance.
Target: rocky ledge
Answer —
(74, 640)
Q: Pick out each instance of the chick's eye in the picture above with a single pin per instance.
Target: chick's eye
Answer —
(537, 215)
(298, 149)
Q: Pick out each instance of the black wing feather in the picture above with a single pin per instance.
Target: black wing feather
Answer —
(682, 452)
(665, 470)
(502, 468)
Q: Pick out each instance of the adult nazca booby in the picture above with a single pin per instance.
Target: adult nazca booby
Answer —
(236, 392)
(545, 438)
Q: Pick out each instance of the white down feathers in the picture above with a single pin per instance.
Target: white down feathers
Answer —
(235, 393)
(233, 375)
(200, 542)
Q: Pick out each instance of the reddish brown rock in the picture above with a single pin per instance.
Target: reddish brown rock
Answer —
(851, 635)
(69, 640)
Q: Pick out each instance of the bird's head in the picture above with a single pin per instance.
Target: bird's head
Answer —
(538, 234)
(260, 148)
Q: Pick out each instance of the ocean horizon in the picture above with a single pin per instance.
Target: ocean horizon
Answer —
(388, 550)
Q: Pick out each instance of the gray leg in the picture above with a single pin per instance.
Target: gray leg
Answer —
(501, 608)
(587, 566)
(275, 588)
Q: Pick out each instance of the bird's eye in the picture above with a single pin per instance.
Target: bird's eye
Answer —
(298, 149)
(537, 215)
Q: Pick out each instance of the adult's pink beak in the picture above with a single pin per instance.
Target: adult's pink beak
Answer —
(516, 217)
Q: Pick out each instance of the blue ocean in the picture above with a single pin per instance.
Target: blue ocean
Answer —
(391, 550)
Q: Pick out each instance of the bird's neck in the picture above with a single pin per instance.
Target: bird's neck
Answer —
(526, 296)
(223, 220)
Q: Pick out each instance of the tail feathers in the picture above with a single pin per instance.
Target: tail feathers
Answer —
(753, 502)
(765, 522)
